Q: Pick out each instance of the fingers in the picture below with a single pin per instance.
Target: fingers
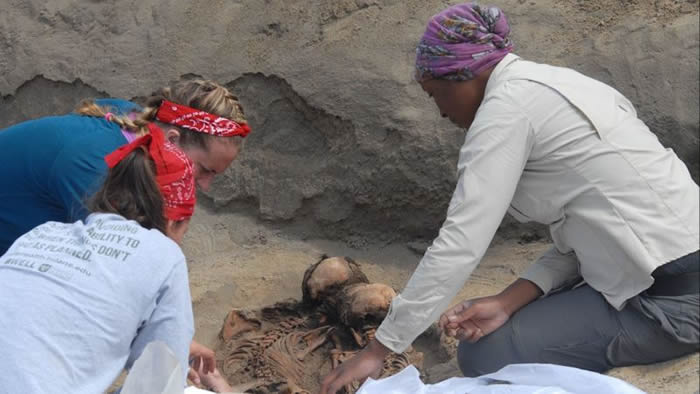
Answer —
(448, 320)
(374, 375)
(203, 357)
(455, 311)
(342, 376)
(455, 318)
(196, 363)
(452, 332)
(469, 332)
(366, 363)
(328, 385)
(209, 363)
(193, 376)
(335, 386)
(442, 323)
(466, 312)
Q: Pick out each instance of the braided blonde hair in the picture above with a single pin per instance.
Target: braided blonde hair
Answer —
(200, 94)
(89, 108)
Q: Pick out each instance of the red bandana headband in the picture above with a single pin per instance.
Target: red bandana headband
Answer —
(197, 120)
(174, 174)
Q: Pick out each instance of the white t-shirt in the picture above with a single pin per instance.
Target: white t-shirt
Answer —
(80, 301)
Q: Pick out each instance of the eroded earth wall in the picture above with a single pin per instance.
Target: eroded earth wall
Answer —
(343, 140)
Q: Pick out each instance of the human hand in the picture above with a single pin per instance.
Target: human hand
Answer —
(473, 319)
(202, 359)
(214, 381)
(367, 363)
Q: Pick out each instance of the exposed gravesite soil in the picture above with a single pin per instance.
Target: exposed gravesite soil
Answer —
(348, 156)
(238, 263)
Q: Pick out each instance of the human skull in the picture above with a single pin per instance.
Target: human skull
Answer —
(364, 304)
(329, 275)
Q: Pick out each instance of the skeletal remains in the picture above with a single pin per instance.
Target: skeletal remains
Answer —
(288, 347)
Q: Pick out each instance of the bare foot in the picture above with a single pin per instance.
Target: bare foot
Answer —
(215, 382)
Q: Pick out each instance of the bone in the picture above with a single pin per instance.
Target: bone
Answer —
(327, 276)
(369, 332)
(292, 388)
(314, 343)
(238, 322)
(336, 356)
(335, 353)
(358, 338)
(281, 356)
(361, 304)
(242, 388)
(273, 346)
(311, 335)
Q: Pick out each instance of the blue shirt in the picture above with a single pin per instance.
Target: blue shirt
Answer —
(51, 165)
(80, 301)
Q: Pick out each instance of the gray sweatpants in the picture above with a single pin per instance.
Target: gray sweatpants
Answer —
(579, 328)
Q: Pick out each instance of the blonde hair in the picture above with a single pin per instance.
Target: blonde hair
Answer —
(89, 108)
(200, 94)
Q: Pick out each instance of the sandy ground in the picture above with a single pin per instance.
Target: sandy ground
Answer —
(236, 261)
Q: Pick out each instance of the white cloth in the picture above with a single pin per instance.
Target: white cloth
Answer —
(80, 301)
(512, 379)
(554, 146)
(156, 371)
(195, 390)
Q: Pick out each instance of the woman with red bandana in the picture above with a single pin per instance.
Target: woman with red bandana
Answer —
(51, 178)
(550, 145)
(81, 300)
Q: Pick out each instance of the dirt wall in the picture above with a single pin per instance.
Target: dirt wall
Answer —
(343, 140)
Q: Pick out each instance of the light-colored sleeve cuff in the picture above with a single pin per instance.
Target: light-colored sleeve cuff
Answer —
(553, 270)
(387, 335)
(540, 276)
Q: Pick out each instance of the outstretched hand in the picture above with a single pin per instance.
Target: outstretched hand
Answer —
(202, 359)
(473, 319)
(367, 363)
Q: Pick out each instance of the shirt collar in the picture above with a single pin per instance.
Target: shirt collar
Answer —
(498, 71)
(104, 217)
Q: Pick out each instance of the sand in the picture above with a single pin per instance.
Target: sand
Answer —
(237, 261)
(346, 146)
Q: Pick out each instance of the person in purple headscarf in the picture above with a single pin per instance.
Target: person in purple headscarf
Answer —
(619, 285)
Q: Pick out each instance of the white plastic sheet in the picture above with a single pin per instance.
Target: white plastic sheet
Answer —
(512, 379)
(195, 390)
(156, 371)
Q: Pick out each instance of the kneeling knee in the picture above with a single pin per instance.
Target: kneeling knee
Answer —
(480, 358)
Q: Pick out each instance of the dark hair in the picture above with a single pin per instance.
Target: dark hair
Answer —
(130, 190)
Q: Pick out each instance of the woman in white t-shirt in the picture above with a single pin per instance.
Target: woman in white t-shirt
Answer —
(81, 300)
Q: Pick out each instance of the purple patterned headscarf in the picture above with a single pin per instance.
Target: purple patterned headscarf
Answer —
(461, 42)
